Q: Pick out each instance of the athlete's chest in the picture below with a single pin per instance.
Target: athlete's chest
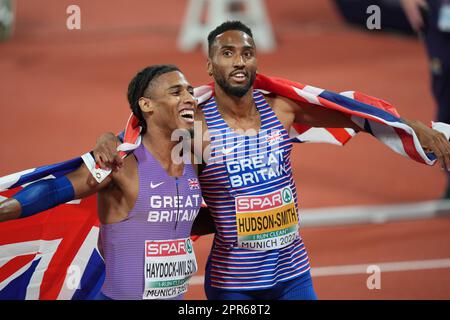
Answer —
(249, 125)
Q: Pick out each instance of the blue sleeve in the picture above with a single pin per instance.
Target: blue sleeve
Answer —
(44, 194)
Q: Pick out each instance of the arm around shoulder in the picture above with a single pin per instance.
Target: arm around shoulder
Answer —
(45, 194)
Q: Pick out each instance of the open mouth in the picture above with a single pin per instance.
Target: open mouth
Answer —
(187, 115)
(239, 76)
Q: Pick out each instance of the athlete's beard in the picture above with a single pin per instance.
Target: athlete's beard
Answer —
(237, 91)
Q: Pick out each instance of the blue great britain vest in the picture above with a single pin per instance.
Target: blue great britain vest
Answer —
(248, 186)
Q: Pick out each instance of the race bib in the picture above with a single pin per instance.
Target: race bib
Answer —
(444, 18)
(268, 221)
(168, 266)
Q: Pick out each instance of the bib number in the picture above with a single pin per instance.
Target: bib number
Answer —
(169, 264)
(266, 222)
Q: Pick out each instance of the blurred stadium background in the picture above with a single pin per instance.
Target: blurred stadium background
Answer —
(60, 89)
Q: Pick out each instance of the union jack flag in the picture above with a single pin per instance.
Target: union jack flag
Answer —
(52, 255)
(274, 137)
(193, 184)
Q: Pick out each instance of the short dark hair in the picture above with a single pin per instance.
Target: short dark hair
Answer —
(139, 86)
(226, 26)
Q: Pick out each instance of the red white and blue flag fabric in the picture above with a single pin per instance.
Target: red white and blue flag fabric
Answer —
(54, 255)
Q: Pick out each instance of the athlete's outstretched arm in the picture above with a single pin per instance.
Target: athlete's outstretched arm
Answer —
(430, 140)
(45, 194)
(306, 114)
(316, 116)
(311, 115)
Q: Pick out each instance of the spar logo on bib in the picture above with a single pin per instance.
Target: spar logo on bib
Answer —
(264, 202)
(168, 248)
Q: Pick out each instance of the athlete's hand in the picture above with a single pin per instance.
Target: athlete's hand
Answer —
(105, 152)
(9, 209)
(432, 141)
(412, 11)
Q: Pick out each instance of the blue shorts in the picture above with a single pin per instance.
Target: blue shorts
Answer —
(299, 288)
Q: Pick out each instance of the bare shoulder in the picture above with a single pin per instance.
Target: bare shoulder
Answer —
(284, 109)
(129, 166)
(123, 177)
(280, 104)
